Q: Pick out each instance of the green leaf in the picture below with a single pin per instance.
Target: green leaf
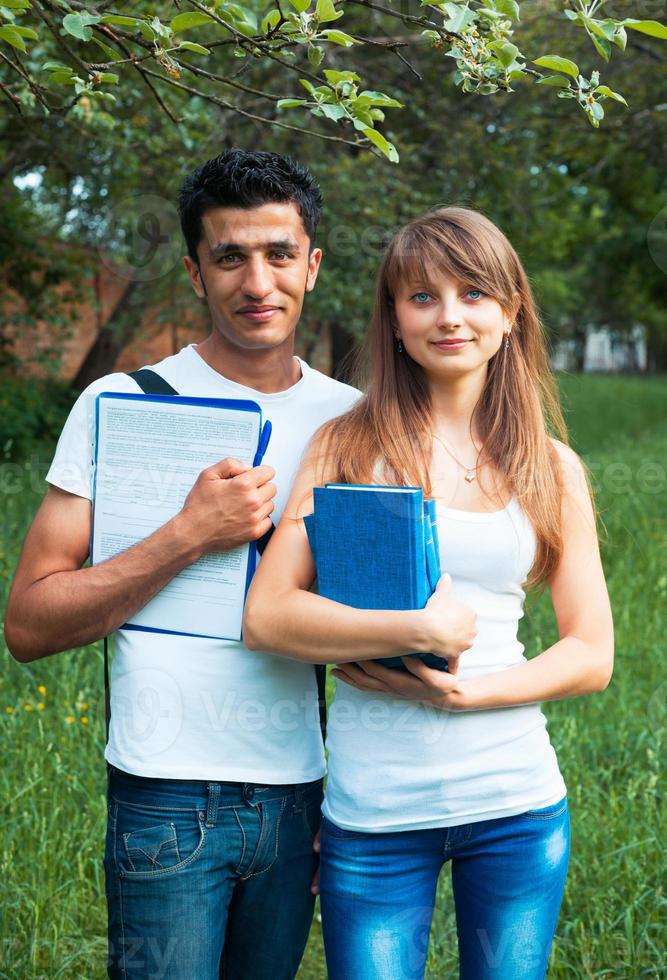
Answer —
(605, 90)
(382, 144)
(26, 32)
(307, 85)
(191, 46)
(505, 52)
(621, 38)
(271, 21)
(12, 36)
(326, 12)
(16, 4)
(78, 25)
(378, 98)
(459, 16)
(571, 14)
(596, 111)
(147, 31)
(185, 22)
(556, 63)
(120, 21)
(334, 112)
(650, 27)
(335, 77)
(300, 5)
(510, 8)
(108, 78)
(60, 78)
(56, 66)
(557, 81)
(338, 37)
(315, 55)
(109, 52)
(602, 46)
(290, 103)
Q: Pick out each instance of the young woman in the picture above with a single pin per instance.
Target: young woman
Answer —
(425, 766)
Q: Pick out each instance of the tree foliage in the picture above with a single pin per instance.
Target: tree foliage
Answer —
(292, 59)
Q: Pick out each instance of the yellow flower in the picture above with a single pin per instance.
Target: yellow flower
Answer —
(84, 706)
(40, 706)
(84, 720)
(28, 707)
(70, 719)
(41, 689)
(9, 710)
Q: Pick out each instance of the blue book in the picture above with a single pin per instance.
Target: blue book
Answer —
(375, 548)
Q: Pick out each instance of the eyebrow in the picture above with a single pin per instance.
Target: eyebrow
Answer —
(282, 245)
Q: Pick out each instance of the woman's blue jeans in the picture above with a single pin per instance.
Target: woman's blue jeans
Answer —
(209, 880)
(378, 893)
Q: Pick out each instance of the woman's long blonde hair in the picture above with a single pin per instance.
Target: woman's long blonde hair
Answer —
(518, 410)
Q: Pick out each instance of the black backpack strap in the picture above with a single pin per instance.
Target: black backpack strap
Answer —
(151, 383)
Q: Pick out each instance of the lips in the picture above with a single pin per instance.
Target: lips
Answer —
(455, 343)
(259, 313)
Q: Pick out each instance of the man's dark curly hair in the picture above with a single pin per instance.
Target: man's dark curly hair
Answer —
(245, 179)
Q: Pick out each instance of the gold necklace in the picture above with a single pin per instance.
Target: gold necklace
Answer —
(470, 472)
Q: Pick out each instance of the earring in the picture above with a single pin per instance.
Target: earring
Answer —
(507, 340)
(399, 345)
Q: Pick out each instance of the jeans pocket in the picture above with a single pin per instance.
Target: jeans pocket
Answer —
(153, 843)
(312, 811)
(547, 812)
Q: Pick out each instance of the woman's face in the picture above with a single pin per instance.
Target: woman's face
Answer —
(447, 326)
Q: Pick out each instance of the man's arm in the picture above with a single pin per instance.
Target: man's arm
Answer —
(55, 604)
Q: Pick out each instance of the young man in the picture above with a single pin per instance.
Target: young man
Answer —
(215, 751)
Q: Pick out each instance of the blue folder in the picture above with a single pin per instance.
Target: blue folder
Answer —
(376, 548)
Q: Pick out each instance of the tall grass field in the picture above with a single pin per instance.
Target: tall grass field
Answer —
(610, 745)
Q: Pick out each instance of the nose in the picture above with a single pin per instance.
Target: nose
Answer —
(450, 312)
(258, 278)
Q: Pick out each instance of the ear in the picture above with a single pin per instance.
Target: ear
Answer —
(194, 274)
(314, 261)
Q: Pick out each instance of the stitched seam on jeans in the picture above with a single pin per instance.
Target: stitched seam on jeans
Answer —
(154, 806)
(255, 874)
(165, 872)
(120, 906)
(243, 845)
(545, 816)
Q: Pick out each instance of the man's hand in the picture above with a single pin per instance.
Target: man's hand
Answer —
(433, 687)
(315, 883)
(229, 505)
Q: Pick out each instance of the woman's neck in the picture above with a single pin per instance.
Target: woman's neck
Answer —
(453, 405)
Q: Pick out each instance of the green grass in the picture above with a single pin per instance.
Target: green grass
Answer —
(609, 746)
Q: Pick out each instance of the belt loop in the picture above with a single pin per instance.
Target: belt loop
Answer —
(213, 800)
(298, 797)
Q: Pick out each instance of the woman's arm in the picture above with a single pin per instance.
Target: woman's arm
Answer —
(283, 617)
(580, 662)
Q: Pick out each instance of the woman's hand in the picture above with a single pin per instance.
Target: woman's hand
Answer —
(450, 625)
(434, 687)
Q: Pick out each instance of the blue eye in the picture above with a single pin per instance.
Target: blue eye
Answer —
(421, 297)
(478, 291)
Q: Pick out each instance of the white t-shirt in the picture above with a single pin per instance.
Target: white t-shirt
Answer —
(400, 765)
(192, 708)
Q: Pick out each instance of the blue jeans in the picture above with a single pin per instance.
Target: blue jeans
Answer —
(208, 880)
(378, 893)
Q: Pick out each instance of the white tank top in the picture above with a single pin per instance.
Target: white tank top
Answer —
(398, 765)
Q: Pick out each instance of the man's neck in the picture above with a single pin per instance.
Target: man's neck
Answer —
(268, 371)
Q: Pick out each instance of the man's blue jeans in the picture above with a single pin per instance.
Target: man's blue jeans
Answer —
(208, 880)
(378, 893)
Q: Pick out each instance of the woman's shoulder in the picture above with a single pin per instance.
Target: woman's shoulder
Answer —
(572, 469)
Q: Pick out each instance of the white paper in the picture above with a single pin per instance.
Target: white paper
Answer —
(148, 456)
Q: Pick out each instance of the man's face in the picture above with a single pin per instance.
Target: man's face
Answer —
(255, 267)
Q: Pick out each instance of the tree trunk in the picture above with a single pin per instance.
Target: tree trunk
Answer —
(656, 352)
(343, 344)
(119, 329)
